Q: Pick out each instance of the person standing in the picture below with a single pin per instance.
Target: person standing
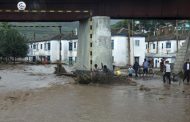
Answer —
(162, 65)
(167, 69)
(145, 67)
(186, 68)
(136, 68)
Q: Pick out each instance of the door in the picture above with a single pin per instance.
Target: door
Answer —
(70, 60)
(34, 59)
(137, 59)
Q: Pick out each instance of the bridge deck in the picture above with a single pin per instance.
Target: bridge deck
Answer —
(119, 9)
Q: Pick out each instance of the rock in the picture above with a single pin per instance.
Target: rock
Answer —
(143, 88)
(161, 98)
(60, 69)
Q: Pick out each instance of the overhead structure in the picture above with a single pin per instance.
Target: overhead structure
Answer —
(74, 10)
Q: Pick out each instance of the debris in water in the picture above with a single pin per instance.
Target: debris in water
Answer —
(143, 88)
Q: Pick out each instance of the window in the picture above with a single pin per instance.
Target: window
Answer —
(91, 44)
(162, 45)
(49, 46)
(168, 44)
(112, 44)
(75, 44)
(41, 46)
(70, 46)
(34, 46)
(137, 59)
(137, 42)
(154, 46)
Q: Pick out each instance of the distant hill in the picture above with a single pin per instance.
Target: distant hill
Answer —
(43, 32)
(38, 33)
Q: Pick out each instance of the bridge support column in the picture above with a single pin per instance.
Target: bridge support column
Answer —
(94, 45)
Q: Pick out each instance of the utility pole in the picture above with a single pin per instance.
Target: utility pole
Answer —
(177, 37)
(59, 68)
(60, 45)
(148, 47)
(132, 32)
(156, 39)
(157, 43)
(129, 45)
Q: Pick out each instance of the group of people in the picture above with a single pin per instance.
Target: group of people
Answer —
(165, 67)
(103, 68)
(136, 67)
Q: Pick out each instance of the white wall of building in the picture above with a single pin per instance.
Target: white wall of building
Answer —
(162, 46)
(41, 49)
(54, 51)
(120, 50)
(163, 51)
(138, 49)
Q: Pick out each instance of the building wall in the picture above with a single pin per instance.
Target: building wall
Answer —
(138, 50)
(120, 50)
(163, 49)
(163, 52)
(54, 50)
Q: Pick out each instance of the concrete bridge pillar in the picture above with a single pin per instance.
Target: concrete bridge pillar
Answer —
(94, 45)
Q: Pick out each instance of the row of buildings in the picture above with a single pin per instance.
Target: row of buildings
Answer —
(50, 50)
(162, 50)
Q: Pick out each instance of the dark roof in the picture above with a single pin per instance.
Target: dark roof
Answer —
(69, 36)
(63, 36)
(124, 32)
(72, 36)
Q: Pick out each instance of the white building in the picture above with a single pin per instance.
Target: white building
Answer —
(120, 50)
(166, 49)
(49, 50)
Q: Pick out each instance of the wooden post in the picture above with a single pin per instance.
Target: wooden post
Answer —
(177, 37)
(148, 47)
(129, 47)
(157, 45)
(156, 41)
(60, 45)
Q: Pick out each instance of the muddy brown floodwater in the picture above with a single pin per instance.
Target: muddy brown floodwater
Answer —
(98, 103)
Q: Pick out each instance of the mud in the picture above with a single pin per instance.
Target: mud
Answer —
(98, 103)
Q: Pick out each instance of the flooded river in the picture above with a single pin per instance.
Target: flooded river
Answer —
(24, 77)
(94, 103)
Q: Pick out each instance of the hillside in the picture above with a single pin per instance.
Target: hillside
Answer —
(38, 33)
(43, 32)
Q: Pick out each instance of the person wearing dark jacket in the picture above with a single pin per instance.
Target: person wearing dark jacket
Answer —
(136, 68)
(186, 68)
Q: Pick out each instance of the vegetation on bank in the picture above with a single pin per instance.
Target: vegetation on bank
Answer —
(144, 26)
(12, 44)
